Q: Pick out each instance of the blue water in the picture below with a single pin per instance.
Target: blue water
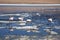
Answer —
(43, 19)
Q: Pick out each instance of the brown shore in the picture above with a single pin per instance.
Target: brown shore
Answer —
(28, 1)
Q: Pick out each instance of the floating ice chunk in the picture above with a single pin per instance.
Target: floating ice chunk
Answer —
(38, 14)
(52, 32)
(57, 27)
(29, 20)
(47, 30)
(50, 19)
(28, 31)
(20, 18)
(22, 22)
(11, 18)
(7, 37)
(11, 29)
